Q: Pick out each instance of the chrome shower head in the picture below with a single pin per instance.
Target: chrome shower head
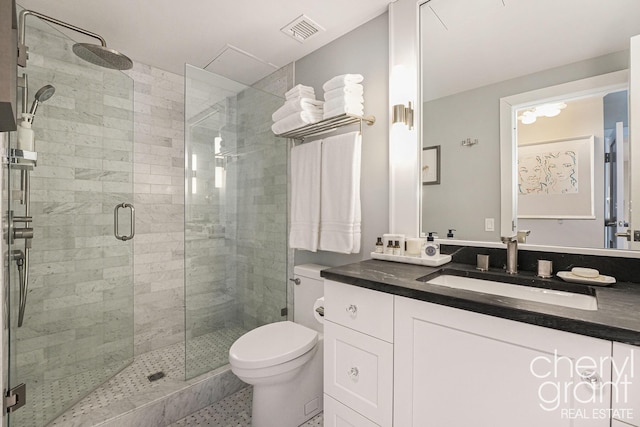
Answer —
(43, 94)
(102, 56)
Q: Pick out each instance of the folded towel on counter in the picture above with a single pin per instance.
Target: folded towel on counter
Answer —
(298, 104)
(342, 80)
(350, 89)
(347, 101)
(344, 109)
(340, 214)
(300, 91)
(305, 196)
(294, 121)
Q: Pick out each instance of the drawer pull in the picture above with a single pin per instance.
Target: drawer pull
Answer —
(591, 378)
(352, 310)
(353, 374)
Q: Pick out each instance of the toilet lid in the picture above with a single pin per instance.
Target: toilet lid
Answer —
(271, 345)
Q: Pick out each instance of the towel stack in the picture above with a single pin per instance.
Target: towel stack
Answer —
(343, 94)
(300, 108)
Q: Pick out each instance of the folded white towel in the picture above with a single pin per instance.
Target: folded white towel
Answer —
(352, 101)
(356, 111)
(298, 104)
(298, 89)
(305, 196)
(350, 89)
(340, 216)
(342, 80)
(294, 121)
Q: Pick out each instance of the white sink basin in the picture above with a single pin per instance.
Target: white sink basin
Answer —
(547, 296)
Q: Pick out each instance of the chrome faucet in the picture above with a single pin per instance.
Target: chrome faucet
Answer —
(512, 253)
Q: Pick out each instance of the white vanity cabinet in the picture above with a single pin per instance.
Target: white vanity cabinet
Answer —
(625, 383)
(458, 368)
(358, 356)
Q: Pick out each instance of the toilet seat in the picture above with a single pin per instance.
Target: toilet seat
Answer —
(271, 345)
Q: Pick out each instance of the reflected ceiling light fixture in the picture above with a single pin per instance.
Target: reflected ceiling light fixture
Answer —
(545, 110)
(402, 114)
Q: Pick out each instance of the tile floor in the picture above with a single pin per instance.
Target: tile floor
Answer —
(233, 411)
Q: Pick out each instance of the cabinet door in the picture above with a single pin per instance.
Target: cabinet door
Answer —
(625, 383)
(456, 368)
(358, 372)
(338, 415)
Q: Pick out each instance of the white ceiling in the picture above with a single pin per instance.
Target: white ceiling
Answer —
(473, 43)
(167, 34)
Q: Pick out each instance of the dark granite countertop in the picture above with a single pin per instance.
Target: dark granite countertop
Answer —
(617, 317)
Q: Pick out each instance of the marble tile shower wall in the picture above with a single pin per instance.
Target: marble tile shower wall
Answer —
(80, 291)
(261, 211)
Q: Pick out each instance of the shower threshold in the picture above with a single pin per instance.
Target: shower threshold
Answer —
(130, 399)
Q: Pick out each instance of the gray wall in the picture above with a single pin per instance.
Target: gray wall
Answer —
(470, 176)
(365, 51)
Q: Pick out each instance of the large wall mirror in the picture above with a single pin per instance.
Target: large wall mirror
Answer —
(530, 55)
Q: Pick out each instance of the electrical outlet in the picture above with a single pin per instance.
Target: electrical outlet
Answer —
(489, 224)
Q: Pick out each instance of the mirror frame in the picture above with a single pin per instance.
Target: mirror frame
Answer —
(405, 200)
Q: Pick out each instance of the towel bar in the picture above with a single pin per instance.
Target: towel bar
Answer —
(327, 125)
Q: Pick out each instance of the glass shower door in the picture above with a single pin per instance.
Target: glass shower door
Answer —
(77, 329)
(235, 216)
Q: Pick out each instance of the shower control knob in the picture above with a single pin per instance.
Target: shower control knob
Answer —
(352, 310)
(23, 233)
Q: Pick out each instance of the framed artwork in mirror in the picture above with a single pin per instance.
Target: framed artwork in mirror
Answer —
(555, 179)
(431, 165)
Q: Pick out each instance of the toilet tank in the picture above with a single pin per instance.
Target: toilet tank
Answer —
(305, 294)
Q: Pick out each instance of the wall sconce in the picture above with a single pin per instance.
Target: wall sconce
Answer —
(402, 114)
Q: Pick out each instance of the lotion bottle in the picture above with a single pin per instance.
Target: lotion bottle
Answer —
(379, 246)
(389, 249)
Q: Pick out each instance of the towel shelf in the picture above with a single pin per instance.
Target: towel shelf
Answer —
(327, 125)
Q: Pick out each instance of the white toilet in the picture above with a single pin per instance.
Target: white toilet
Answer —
(283, 360)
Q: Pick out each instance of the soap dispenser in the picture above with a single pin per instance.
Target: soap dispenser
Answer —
(26, 139)
(430, 248)
(450, 233)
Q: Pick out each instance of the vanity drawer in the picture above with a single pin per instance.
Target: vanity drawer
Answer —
(338, 415)
(358, 371)
(361, 309)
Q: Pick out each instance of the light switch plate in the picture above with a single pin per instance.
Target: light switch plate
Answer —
(489, 224)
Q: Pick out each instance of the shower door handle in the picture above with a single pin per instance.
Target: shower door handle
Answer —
(115, 221)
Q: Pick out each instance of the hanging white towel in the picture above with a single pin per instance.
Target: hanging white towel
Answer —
(342, 80)
(294, 121)
(305, 196)
(350, 89)
(298, 104)
(340, 214)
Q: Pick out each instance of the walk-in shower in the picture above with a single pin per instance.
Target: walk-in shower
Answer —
(225, 264)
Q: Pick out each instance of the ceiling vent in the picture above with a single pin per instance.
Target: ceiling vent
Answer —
(301, 28)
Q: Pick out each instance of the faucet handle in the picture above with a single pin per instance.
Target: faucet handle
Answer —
(522, 235)
(507, 239)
